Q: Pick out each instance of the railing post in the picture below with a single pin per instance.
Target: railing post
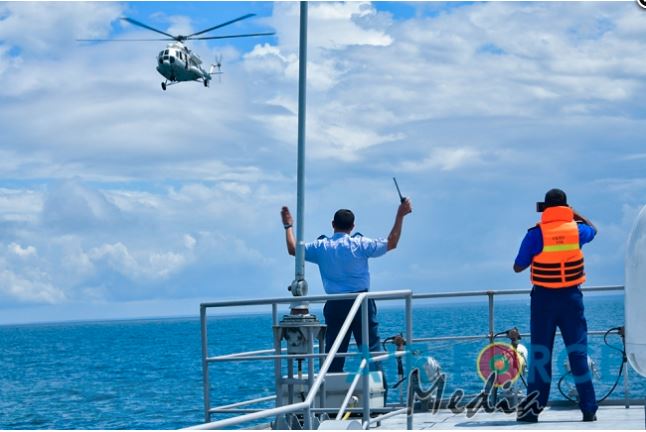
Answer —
(490, 295)
(491, 326)
(321, 338)
(626, 385)
(205, 365)
(307, 420)
(278, 366)
(290, 381)
(409, 341)
(310, 378)
(365, 349)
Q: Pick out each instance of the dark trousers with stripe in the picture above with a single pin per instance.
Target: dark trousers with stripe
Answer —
(562, 308)
(335, 313)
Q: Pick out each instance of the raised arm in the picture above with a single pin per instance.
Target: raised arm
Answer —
(393, 238)
(288, 221)
(585, 220)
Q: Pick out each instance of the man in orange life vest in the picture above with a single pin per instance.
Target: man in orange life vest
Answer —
(553, 249)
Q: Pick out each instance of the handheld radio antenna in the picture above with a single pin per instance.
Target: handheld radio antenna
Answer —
(401, 198)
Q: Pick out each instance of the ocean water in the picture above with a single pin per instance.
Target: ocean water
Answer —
(147, 374)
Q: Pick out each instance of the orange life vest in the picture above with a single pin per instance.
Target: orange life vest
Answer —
(560, 264)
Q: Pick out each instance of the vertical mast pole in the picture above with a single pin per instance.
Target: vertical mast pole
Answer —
(299, 286)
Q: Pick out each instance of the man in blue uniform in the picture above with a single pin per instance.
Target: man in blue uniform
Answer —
(553, 250)
(343, 264)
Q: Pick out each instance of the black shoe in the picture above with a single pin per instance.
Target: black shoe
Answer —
(589, 417)
(526, 418)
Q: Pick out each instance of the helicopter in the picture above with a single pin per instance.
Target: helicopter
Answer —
(177, 63)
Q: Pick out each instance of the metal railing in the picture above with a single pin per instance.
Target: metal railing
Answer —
(307, 406)
(361, 300)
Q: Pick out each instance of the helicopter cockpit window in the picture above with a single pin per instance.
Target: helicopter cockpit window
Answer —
(166, 52)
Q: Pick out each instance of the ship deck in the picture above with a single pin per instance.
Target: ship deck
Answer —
(556, 418)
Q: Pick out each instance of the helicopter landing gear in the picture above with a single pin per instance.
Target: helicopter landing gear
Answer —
(167, 83)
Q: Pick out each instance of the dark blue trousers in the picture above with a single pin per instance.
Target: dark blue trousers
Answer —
(335, 313)
(562, 308)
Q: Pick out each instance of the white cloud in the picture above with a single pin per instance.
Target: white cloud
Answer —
(70, 206)
(22, 252)
(189, 241)
(156, 265)
(42, 30)
(340, 140)
(33, 287)
(331, 25)
(180, 25)
(87, 244)
(19, 205)
(332, 28)
(446, 159)
(435, 68)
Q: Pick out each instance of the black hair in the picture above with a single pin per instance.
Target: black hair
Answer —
(343, 219)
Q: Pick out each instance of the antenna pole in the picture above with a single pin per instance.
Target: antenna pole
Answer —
(299, 286)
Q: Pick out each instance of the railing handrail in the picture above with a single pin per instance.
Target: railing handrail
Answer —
(321, 298)
(247, 355)
(384, 295)
(285, 409)
(507, 292)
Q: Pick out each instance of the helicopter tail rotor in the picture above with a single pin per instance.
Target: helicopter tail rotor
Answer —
(216, 68)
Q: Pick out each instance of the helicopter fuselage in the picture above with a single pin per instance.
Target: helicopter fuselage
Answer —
(177, 63)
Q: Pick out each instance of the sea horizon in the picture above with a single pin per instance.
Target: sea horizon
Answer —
(317, 308)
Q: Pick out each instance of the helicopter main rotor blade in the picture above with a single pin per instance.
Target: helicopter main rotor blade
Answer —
(123, 40)
(234, 36)
(140, 24)
(221, 25)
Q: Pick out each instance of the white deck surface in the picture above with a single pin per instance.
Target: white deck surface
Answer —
(609, 417)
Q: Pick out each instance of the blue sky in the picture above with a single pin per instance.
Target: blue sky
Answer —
(119, 200)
